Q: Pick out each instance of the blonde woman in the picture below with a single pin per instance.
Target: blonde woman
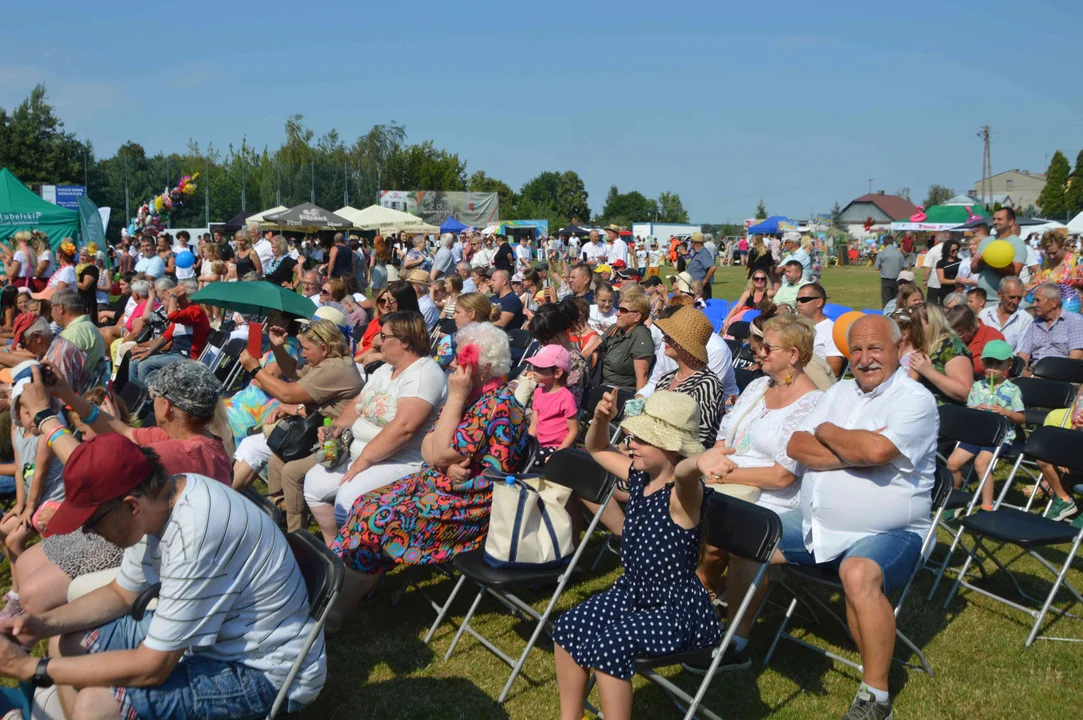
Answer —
(20, 264)
(46, 263)
(947, 370)
(247, 258)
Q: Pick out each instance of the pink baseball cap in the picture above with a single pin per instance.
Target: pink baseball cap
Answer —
(551, 356)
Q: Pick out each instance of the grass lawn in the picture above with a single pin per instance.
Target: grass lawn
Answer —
(379, 667)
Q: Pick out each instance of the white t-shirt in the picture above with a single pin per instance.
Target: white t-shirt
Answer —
(378, 403)
(600, 322)
(47, 256)
(231, 589)
(65, 275)
(617, 251)
(573, 245)
(825, 341)
(480, 258)
(592, 251)
(931, 259)
(641, 257)
(24, 269)
(654, 258)
(523, 256)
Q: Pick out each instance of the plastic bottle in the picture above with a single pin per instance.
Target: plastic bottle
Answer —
(1077, 412)
(328, 441)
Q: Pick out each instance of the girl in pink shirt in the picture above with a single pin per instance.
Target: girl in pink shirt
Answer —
(555, 418)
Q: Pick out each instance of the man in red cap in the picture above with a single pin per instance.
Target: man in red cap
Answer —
(34, 339)
(232, 606)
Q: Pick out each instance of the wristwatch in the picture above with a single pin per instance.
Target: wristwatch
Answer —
(41, 678)
(43, 415)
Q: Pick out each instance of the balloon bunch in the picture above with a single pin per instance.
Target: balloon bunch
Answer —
(150, 215)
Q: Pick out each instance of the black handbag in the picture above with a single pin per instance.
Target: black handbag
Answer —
(294, 437)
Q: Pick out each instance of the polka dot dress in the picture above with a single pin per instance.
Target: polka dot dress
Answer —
(657, 607)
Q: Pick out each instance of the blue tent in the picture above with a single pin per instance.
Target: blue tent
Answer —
(451, 225)
(768, 226)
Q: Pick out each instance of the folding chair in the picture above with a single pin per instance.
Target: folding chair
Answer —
(447, 326)
(135, 397)
(739, 330)
(834, 311)
(263, 503)
(743, 376)
(795, 577)
(1056, 446)
(215, 341)
(519, 341)
(1059, 368)
(324, 574)
(228, 368)
(959, 424)
(573, 469)
(1040, 397)
(596, 394)
(741, 529)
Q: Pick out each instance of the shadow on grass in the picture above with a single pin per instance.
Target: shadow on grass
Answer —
(405, 697)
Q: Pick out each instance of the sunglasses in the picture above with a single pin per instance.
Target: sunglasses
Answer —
(623, 310)
(89, 526)
(759, 279)
(324, 291)
(385, 301)
(807, 299)
(769, 348)
(385, 336)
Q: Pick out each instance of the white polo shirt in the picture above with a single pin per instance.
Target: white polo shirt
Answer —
(825, 340)
(931, 259)
(841, 507)
(596, 252)
(618, 250)
(1014, 329)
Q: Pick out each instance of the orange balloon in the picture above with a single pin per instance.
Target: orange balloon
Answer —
(842, 327)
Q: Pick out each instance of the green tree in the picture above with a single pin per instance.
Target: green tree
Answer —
(1051, 199)
(938, 194)
(627, 208)
(671, 209)
(480, 182)
(761, 211)
(836, 218)
(904, 193)
(35, 146)
(560, 198)
(424, 167)
(1073, 196)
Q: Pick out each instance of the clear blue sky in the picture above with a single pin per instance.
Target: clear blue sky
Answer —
(798, 102)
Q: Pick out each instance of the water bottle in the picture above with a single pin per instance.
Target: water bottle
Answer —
(328, 441)
(1077, 412)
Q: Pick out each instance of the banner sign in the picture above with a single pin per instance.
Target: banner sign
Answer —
(65, 196)
(435, 206)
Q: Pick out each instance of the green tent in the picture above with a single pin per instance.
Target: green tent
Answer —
(954, 214)
(21, 209)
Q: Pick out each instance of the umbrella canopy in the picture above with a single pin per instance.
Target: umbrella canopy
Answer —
(573, 229)
(307, 215)
(451, 225)
(255, 298)
(1075, 225)
(422, 229)
(376, 217)
(768, 226)
(261, 217)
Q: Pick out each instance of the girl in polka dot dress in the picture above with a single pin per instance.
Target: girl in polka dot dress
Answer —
(659, 605)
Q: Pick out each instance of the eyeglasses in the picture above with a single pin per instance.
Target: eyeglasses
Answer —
(768, 348)
(804, 300)
(324, 291)
(386, 300)
(89, 526)
(623, 310)
(384, 336)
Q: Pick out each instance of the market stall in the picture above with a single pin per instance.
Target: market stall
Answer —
(22, 209)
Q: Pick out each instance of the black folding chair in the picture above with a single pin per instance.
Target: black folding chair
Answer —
(573, 469)
(447, 326)
(744, 376)
(1059, 368)
(324, 574)
(959, 424)
(264, 503)
(741, 529)
(794, 578)
(1028, 531)
(228, 369)
(739, 330)
(215, 341)
(519, 341)
(1040, 397)
(137, 400)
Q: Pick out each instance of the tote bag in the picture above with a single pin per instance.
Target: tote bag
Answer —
(528, 525)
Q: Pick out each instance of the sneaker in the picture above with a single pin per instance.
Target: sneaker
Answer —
(731, 660)
(865, 707)
(1060, 509)
(1078, 522)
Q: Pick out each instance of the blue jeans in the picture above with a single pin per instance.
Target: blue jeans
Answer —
(7, 484)
(897, 552)
(140, 370)
(198, 687)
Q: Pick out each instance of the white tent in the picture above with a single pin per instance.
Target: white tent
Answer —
(1042, 229)
(261, 216)
(375, 217)
(1075, 225)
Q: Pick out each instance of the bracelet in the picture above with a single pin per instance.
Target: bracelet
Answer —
(57, 434)
(92, 415)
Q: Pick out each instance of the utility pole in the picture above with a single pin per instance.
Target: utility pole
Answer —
(345, 184)
(127, 210)
(207, 190)
(312, 165)
(278, 182)
(986, 167)
(244, 181)
(870, 186)
(86, 176)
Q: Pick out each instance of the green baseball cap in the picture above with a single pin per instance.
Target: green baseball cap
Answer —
(997, 350)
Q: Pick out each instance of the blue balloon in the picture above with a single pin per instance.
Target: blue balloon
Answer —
(185, 259)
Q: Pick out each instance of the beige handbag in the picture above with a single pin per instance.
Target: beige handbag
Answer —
(528, 524)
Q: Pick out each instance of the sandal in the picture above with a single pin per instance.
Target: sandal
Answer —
(1042, 487)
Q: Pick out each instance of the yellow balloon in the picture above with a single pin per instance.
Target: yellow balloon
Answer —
(998, 254)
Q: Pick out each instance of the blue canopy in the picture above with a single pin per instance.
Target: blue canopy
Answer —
(768, 226)
(452, 225)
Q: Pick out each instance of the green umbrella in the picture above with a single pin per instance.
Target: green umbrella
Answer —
(255, 298)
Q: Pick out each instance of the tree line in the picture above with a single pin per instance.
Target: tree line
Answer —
(327, 170)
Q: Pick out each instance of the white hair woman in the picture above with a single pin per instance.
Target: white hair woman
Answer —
(431, 516)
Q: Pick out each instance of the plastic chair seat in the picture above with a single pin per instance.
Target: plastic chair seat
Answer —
(1020, 528)
(698, 657)
(1035, 417)
(472, 564)
(815, 574)
(957, 500)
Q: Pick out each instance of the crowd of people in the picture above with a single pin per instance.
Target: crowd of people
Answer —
(424, 372)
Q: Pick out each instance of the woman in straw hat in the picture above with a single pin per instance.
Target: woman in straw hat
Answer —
(686, 333)
(659, 605)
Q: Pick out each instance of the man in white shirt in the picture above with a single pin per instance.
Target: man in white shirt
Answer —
(262, 246)
(444, 260)
(810, 303)
(524, 255)
(595, 252)
(311, 284)
(457, 248)
(868, 451)
(232, 614)
(149, 262)
(573, 248)
(931, 279)
(1005, 316)
(463, 268)
(615, 248)
(792, 250)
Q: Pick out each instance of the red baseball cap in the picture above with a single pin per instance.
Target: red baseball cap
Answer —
(104, 468)
(619, 264)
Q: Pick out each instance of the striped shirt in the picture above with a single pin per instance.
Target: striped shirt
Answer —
(231, 589)
(710, 396)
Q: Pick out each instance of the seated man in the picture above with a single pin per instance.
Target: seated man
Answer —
(184, 338)
(1055, 332)
(868, 452)
(791, 283)
(232, 610)
(69, 312)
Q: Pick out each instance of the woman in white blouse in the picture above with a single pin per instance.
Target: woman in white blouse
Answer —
(759, 426)
(388, 420)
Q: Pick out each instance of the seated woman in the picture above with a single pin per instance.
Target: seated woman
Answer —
(658, 605)
(399, 296)
(281, 270)
(758, 289)
(389, 421)
(431, 516)
(627, 348)
(947, 370)
(470, 308)
(686, 332)
(325, 385)
(760, 424)
(249, 407)
(552, 325)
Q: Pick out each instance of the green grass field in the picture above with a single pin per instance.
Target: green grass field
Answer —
(378, 666)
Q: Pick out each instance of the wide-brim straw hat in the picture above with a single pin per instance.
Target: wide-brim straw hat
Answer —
(667, 420)
(689, 329)
(417, 276)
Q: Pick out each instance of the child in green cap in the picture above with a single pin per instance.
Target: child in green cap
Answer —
(994, 393)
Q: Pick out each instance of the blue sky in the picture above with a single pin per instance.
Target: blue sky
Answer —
(800, 103)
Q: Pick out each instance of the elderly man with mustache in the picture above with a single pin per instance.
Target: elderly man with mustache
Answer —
(868, 452)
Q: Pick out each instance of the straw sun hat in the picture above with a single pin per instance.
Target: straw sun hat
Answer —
(689, 329)
(667, 420)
